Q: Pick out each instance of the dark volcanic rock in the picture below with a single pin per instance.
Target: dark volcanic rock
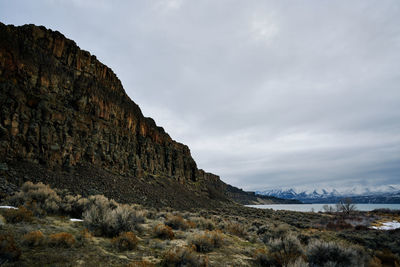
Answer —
(66, 120)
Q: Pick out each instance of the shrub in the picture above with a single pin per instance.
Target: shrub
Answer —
(84, 236)
(183, 256)
(261, 257)
(100, 202)
(387, 258)
(104, 220)
(237, 229)
(177, 222)
(125, 241)
(32, 239)
(141, 263)
(338, 225)
(208, 241)
(74, 205)
(8, 249)
(283, 251)
(320, 253)
(204, 224)
(18, 215)
(163, 231)
(300, 262)
(38, 196)
(61, 240)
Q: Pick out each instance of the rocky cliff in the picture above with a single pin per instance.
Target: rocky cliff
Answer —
(66, 120)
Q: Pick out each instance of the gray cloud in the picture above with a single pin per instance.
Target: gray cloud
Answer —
(265, 93)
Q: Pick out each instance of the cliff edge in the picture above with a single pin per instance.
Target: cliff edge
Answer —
(66, 120)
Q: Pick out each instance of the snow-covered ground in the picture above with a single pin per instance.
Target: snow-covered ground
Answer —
(75, 220)
(387, 226)
(8, 207)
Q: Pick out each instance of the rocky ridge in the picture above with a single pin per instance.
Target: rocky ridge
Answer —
(66, 120)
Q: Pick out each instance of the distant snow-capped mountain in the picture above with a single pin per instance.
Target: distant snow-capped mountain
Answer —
(359, 194)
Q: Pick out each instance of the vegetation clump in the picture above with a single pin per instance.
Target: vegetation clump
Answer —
(62, 239)
(275, 240)
(183, 256)
(204, 224)
(163, 231)
(207, 241)
(237, 229)
(105, 219)
(283, 251)
(320, 253)
(34, 238)
(142, 263)
(177, 222)
(21, 214)
(125, 241)
(39, 197)
(8, 248)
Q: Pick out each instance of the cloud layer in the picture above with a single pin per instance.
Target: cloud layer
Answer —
(265, 93)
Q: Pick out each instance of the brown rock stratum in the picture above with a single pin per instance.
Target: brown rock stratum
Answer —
(66, 120)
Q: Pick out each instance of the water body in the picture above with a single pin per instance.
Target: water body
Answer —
(319, 207)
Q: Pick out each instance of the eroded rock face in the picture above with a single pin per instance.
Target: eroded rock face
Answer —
(60, 107)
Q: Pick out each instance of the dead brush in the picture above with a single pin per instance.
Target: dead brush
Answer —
(237, 229)
(208, 241)
(34, 238)
(202, 223)
(261, 257)
(125, 241)
(183, 256)
(21, 214)
(142, 263)
(8, 248)
(107, 221)
(286, 250)
(62, 239)
(178, 222)
(321, 253)
(38, 196)
(84, 236)
(163, 231)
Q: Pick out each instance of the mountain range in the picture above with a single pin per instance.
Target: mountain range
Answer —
(358, 194)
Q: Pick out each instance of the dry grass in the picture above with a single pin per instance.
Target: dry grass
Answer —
(141, 263)
(34, 238)
(178, 222)
(183, 256)
(104, 220)
(21, 214)
(8, 248)
(261, 257)
(118, 225)
(283, 251)
(125, 241)
(321, 253)
(163, 231)
(208, 241)
(63, 239)
(38, 196)
(237, 229)
(387, 258)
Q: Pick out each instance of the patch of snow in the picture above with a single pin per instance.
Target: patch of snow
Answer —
(75, 220)
(8, 207)
(387, 226)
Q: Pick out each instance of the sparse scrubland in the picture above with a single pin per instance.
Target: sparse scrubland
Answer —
(40, 233)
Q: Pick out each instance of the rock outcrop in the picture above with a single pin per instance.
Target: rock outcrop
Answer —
(61, 108)
(65, 119)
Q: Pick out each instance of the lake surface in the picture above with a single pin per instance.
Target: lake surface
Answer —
(319, 207)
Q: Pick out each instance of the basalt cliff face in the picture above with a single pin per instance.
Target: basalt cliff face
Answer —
(66, 120)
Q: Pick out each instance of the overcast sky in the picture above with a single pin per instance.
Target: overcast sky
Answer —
(266, 94)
